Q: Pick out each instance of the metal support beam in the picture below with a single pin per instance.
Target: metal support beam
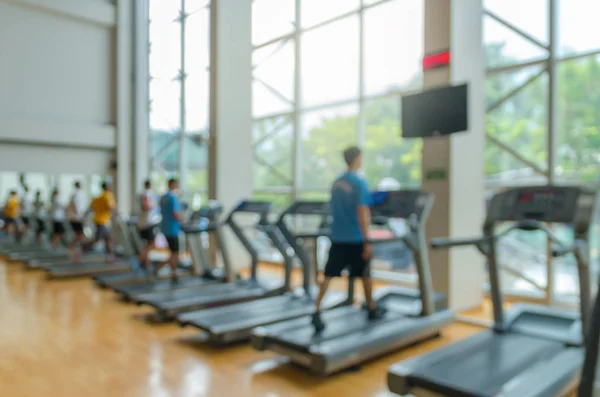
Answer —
(272, 133)
(141, 93)
(516, 155)
(514, 91)
(183, 161)
(274, 91)
(272, 168)
(297, 119)
(515, 67)
(362, 127)
(579, 56)
(552, 110)
(515, 29)
(281, 43)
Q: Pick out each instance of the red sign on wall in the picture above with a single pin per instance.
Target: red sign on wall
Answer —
(436, 60)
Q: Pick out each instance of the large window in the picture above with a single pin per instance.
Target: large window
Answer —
(543, 71)
(329, 74)
(179, 94)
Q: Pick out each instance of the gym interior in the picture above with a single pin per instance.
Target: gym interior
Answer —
(478, 124)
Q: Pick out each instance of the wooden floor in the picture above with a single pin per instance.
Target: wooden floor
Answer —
(69, 338)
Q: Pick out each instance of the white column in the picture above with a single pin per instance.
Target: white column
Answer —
(460, 202)
(124, 93)
(141, 109)
(230, 150)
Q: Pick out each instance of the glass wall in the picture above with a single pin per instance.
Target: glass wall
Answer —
(543, 124)
(179, 95)
(329, 74)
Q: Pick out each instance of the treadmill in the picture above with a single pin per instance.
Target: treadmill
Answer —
(122, 264)
(589, 386)
(234, 323)
(349, 337)
(26, 253)
(139, 275)
(202, 272)
(531, 351)
(170, 303)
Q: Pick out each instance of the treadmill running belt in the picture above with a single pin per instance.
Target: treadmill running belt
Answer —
(176, 292)
(484, 368)
(87, 268)
(260, 312)
(161, 285)
(303, 338)
(207, 297)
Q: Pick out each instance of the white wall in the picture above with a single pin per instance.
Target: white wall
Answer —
(231, 109)
(57, 85)
(459, 198)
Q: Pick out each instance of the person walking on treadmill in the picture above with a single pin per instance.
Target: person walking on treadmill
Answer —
(146, 225)
(350, 247)
(12, 210)
(172, 215)
(26, 210)
(57, 213)
(103, 208)
(75, 213)
(40, 221)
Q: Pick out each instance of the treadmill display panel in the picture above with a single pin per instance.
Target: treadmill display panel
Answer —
(258, 207)
(557, 204)
(309, 208)
(400, 203)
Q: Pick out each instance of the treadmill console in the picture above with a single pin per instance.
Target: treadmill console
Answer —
(553, 204)
(255, 207)
(309, 208)
(210, 211)
(401, 203)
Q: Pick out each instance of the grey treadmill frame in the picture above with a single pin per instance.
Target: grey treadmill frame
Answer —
(123, 264)
(260, 208)
(566, 364)
(275, 232)
(410, 325)
(200, 264)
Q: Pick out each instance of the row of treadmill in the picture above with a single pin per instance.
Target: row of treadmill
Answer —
(531, 351)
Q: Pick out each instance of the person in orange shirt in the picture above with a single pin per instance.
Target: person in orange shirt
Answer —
(103, 208)
(12, 211)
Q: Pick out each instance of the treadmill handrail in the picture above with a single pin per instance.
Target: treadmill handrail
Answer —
(590, 363)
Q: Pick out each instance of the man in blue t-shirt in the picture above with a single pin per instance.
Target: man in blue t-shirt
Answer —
(350, 247)
(170, 226)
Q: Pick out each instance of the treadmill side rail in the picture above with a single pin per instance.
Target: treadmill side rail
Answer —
(486, 365)
(555, 377)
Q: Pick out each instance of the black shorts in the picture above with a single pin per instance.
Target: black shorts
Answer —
(173, 243)
(58, 227)
(25, 220)
(9, 221)
(148, 234)
(41, 224)
(77, 227)
(101, 232)
(347, 256)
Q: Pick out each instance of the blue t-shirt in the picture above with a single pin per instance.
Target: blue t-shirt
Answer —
(169, 204)
(348, 192)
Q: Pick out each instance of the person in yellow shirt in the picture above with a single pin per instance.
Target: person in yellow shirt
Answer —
(12, 211)
(103, 208)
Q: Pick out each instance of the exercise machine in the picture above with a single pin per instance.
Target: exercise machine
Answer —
(139, 275)
(123, 263)
(202, 272)
(349, 337)
(531, 351)
(170, 303)
(589, 386)
(234, 323)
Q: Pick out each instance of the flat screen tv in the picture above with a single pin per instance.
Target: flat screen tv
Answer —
(440, 111)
